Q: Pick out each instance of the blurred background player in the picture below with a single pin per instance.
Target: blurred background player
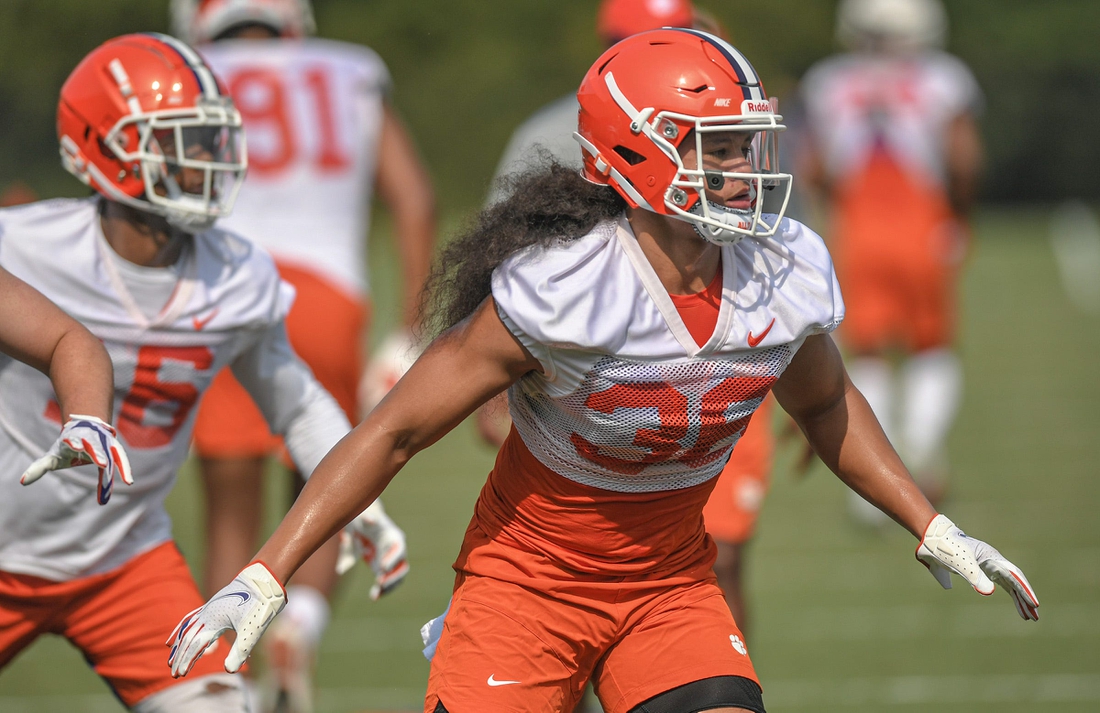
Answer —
(322, 137)
(894, 152)
(143, 121)
(732, 510)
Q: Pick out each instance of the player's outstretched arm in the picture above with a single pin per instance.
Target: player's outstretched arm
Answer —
(297, 407)
(37, 332)
(816, 391)
(459, 371)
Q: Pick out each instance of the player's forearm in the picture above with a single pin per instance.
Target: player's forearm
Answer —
(417, 235)
(348, 479)
(82, 375)
(416, 224)
(405, 186)
(849, 440)
(965, 158)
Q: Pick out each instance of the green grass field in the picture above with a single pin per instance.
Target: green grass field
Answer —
(842, 619)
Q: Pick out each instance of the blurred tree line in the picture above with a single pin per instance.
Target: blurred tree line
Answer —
(467, 72)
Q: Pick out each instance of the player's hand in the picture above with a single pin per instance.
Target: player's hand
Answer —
(945, 549)
(85, 440)
(374, 538)
(247, 605)
(387, 365)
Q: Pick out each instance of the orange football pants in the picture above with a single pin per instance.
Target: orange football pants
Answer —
(325, 326)
(119, 619)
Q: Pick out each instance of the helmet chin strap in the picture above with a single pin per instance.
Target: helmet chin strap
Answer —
(188, 221)
(728, 216)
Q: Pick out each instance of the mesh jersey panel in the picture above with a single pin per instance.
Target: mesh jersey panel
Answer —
(647, 426)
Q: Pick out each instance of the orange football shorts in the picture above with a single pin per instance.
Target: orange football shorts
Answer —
(119, 619)
(325, 326)
(506, 647)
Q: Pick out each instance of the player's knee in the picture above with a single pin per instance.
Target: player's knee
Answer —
(720, 693)
(217, 693)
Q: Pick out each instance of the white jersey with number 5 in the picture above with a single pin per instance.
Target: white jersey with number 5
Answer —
(227, 308)
(313, 111)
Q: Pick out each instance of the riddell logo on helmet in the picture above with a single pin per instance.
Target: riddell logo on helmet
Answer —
(756, 106)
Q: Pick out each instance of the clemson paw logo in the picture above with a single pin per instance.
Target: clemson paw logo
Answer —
(738, 645)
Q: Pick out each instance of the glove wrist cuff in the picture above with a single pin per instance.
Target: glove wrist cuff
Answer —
(937, 527)
(261, 576)
(73, 417)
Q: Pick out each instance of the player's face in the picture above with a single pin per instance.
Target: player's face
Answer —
(721, 152)
(203, 144)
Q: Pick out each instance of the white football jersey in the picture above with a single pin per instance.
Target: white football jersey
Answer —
(312, 112)
(856, 102)
(228, 298)
(628, 402)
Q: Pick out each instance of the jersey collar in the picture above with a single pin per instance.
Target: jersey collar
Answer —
(663, 302)
(177, 302)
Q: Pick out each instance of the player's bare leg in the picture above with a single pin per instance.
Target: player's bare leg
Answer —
(218, 693)
(931, 383)
(233, 492)
(873, 375)
(292, 642)
(728, 568)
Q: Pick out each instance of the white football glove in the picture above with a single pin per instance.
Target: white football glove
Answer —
(247, 605)
(374, 538)
(387, 365)
(85, 440)
(945, 549)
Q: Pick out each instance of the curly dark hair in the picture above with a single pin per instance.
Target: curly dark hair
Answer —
(546, 205)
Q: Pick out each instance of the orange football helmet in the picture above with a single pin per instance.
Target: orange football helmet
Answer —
(646, 95)
(144, 122)
(198, 21)
(618, 19)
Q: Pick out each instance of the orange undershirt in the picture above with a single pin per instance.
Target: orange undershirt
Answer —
(700, 310)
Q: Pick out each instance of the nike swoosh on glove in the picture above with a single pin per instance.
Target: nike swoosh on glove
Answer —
(374, 538)
(85, 440)
(246, 606)
(945, 549)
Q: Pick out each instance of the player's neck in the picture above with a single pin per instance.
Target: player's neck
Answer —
(683, 261)
(141, 238)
